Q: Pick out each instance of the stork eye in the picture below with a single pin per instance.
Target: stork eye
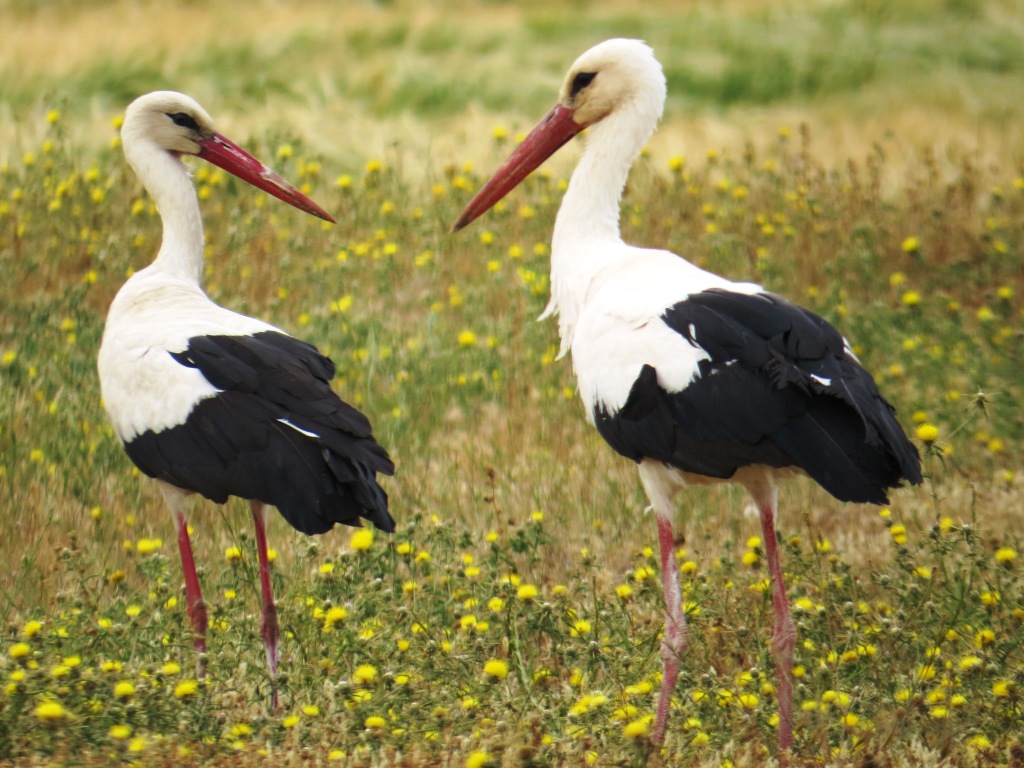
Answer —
(184, 120)
(581, 81)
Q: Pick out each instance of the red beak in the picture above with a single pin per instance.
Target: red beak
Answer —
(543, 141)
(225, 154)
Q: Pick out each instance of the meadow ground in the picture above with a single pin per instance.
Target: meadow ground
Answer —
(859, 157)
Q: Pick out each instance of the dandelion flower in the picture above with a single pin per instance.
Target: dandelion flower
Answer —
(186, 689)
(925, 672)
(984, 637)
(375, 722)
(643, 573)
(637, 729)
(899, 534)
(1005, 555)
(334, 614)
(361, 539)
(49, 710)
(639, 689)
(120, 732)
(478, 759)
(927, 433)
(19, 650)
(910, 298)
(365, 674)
(969, 662)
(148, 546)
(496, 668)
(526, 592)
(233, 553)
(580, 627)
(1001, 688)
(124, 690)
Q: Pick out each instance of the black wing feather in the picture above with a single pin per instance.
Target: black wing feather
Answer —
(276, 432)
(779, 388)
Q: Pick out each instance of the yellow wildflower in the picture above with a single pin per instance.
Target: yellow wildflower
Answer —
(365, 674)
(496, 668)
(361, 539)
(49, 710)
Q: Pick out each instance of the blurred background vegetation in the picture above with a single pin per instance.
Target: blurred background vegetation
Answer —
(355, 77)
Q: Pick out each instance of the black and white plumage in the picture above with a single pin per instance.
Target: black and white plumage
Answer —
(696, 378)
(213, 402)
(275, 431)
(775, 385)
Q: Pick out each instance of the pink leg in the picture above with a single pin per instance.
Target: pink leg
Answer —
(784, 637)
(194, 604)
(658, 482)
(268, 621)
(674, 644)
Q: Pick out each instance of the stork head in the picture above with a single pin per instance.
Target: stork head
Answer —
(614, 77)
(175, 123)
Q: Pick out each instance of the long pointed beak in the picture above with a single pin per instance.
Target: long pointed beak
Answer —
(550, 134)
(225, 154)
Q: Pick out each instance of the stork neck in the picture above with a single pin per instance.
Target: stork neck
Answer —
(590, 208)
(167, 179)
(587, 226)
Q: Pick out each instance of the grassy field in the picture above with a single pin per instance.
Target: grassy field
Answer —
(860, 157)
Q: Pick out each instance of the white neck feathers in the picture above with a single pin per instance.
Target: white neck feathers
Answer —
(586, 236)
(167, 179)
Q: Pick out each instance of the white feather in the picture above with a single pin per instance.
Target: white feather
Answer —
(154, 314)
(619, 327)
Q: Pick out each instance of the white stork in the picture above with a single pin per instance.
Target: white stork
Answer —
(696, 378)
(212, 402)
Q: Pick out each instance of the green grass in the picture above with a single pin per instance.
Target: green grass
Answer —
(914, 254)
